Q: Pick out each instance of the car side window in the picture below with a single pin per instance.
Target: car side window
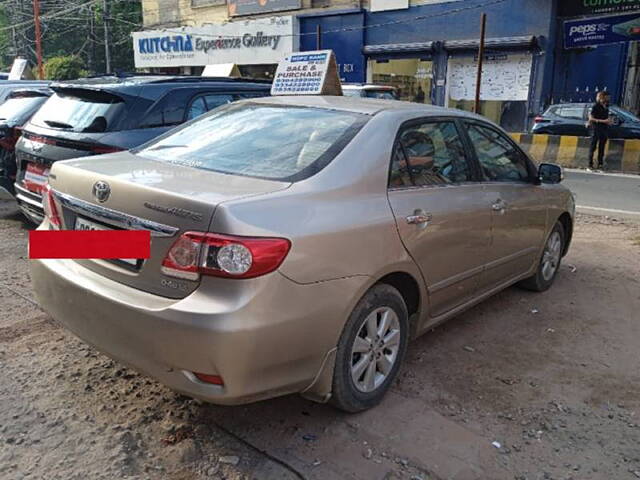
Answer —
(571, 112)
(168, 111)
(197, 108)
(399, 176)
(499, 159)
(215, 100)
(434, 154)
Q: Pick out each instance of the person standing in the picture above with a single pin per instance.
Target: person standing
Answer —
(599, 122)
(419, 97)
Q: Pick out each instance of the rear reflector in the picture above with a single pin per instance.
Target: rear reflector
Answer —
(50, 207)
(212, 379)
(100, 149)
(106, 244)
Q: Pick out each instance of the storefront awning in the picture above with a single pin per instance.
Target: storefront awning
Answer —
(497, 43)
(398, 48)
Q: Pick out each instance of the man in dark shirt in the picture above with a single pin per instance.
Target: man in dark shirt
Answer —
(599, 121)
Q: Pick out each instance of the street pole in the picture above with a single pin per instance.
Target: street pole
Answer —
(36, 20)
(318, 37)
(107, 53)
(483, 27)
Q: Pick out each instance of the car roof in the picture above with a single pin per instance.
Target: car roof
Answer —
(113, 82)
(44, 91)
(367, 106)
(10, 83)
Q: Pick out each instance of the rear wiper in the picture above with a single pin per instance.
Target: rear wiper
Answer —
(54, 124)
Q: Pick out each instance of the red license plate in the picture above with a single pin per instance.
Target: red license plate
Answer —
(35, 177)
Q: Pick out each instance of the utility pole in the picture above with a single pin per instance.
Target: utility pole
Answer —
(483, 28)
(107, 53)
(318, 37)
(92, 39)
(36, 20)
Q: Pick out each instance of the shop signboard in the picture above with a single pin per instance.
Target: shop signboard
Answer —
(307, 73)
(591, 32)
(576, 8)
(250, 42)
(504, 77)
(253, 7)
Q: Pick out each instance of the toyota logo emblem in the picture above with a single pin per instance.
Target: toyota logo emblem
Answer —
(101, 191)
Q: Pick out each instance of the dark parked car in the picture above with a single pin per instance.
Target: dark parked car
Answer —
(8, 86)
(108, 114)
(571, 119)
(14, 113)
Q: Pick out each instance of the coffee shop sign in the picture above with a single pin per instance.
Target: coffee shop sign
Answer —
(187, 43)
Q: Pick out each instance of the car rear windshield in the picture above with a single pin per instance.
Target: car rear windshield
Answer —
(15, 108)
(78, 110)
(264, 141)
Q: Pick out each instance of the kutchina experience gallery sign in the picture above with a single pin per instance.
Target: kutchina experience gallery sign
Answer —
(260, 41)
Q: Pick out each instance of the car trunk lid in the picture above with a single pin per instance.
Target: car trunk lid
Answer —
(145, 194)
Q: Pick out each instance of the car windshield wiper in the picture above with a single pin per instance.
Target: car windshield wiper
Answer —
(55, 124)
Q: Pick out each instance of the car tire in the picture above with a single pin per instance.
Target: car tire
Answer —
(549, 263)
(356, 388)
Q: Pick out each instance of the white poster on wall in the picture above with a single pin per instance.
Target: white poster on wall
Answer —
(505, 77)
(261, 41)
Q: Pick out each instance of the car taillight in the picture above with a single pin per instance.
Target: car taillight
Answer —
(196, 253)
(538, 119)
(206, 378)
(50, 207)
(100, 149)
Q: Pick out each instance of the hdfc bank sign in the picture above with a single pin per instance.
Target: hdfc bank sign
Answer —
(259, 41)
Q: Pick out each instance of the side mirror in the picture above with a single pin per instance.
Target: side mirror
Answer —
(617, 120)
(550, 173)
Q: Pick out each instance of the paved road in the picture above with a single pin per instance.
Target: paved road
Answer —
(605, 194)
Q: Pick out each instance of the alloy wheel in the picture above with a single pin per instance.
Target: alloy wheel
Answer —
(551, 255)
(375, 349)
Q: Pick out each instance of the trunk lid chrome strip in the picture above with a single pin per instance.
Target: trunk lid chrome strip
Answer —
(113, 217)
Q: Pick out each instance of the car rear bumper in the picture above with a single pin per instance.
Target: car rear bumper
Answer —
(270, 340)
(30, 203)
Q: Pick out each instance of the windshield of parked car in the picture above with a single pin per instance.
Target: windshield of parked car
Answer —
(15, 108)
(382, 94)
(78, 110)
(627, 116)
(264, 141)
(351, 92)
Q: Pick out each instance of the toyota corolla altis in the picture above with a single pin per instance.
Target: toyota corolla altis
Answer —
(298, 243)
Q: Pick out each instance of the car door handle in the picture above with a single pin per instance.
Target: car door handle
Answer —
(419, 218)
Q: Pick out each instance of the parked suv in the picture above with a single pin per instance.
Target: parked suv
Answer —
(14, 113)
(571, 119)
(108, 114)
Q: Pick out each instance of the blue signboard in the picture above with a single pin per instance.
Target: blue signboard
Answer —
(602, 30)
(344, 35)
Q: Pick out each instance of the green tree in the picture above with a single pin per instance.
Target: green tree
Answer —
(66, 67)
(5, 39)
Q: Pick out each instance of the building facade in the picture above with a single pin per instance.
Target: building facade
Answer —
(427, 49)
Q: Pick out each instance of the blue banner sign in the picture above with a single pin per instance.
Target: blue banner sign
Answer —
(590, 32)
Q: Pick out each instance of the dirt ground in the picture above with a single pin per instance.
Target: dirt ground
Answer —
(524, 386)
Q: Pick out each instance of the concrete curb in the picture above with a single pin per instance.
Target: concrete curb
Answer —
(573, 152)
